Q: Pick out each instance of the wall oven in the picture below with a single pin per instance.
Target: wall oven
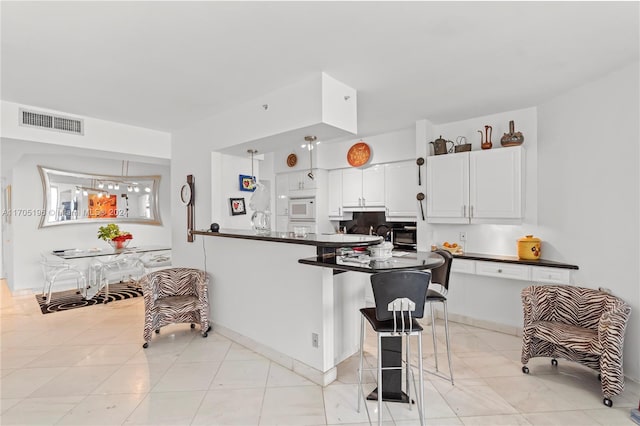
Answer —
(302, 209)
(405, 238)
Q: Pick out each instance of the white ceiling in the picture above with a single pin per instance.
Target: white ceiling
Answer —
(163, 65)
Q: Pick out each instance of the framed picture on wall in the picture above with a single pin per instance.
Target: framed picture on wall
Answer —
(237, 206)
(247, 183)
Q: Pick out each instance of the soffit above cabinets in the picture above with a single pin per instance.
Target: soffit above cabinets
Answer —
(318, 106)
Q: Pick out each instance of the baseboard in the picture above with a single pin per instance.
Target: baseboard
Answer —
(475, 322)
(310, 373)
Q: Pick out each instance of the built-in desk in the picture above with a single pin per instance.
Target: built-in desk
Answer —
(511, 267)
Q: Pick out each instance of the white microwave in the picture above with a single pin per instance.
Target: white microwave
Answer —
(302, 209)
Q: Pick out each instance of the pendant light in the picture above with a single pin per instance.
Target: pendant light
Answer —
(310, 140)
(252, 152)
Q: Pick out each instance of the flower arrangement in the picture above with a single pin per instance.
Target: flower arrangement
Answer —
(114, 236)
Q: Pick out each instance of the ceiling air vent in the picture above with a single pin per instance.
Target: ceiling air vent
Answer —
(51, 122)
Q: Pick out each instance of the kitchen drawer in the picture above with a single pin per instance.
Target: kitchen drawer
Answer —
(463, 266)
(550, 275)
(503, 270)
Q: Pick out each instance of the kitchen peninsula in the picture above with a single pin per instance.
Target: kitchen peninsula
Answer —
(272, 301)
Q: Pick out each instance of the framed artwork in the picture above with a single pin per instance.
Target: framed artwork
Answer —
(247, 183)
(237, 206)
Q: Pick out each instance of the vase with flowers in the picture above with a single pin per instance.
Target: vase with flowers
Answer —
(112, 234)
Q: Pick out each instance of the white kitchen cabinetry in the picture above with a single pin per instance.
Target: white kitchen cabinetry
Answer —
(495, 189)
(282, 194)
(448, 188)
(475, 187)
(363, 188)
(400, 189)
(299, 181)
(335, 193)
(512, 271)
(503, 270)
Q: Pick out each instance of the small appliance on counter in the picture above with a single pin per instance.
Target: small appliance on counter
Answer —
(405, 238)
(529, 248)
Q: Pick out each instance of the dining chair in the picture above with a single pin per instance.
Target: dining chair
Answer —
(55, 269)
(125, 266)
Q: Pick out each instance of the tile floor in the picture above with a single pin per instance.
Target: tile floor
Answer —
(87, 367)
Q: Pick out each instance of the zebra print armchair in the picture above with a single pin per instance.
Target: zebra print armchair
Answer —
(580, 324)
(175, 295)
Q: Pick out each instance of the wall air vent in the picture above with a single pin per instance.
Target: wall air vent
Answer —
(48, 121)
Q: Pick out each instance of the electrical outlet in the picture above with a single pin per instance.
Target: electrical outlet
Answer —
(463, 236)
(314, 340)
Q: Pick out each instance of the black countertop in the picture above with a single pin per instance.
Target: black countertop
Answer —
(514, 259)
(411, 261)
(317, 240)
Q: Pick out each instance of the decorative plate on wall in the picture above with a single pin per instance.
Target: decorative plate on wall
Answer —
(292, 160)
(358, 154)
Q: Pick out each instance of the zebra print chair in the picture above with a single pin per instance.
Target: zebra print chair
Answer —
(580, 324)
(175, 295)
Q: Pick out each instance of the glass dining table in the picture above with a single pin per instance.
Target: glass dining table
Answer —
(105, 265)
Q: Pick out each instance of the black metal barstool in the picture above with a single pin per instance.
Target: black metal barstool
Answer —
(440, 278)
(400, 298)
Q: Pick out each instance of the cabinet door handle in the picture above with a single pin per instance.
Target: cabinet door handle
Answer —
(364, 203)
(499, 271)
(359, 201)
(339, 211)
(471, 211)
(464, 210)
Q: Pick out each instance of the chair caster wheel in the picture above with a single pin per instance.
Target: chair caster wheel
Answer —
(205, 334)
(554, 362)
(158, 331)
(193, 326)
(607, 402)
(599, 377)
(525, 369)
(145, 345)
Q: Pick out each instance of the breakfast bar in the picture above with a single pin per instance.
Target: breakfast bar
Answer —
(275, 302)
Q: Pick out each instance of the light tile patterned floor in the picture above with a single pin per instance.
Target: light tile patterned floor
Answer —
(87, 367)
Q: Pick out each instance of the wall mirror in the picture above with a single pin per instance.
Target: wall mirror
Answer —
(72, 197)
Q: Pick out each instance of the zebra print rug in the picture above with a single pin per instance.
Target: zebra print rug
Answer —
(65, 300)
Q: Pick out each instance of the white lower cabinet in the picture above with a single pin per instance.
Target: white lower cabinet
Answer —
(503, 270)
(550, 275)
(512, 271)
(463, 266)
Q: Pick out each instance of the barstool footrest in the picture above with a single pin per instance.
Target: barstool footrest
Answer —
(390, 397)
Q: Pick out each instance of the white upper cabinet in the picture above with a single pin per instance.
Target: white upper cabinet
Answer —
(496, 183)
(282, 194)
(475, 187)
(363, 188)
(373, 186)
(448, 188)
(335, 193)
(400, 189)
(351, 188)
(299, 181)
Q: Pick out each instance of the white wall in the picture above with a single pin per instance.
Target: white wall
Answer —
(98, 134)
(589, 188)
(24, 240)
